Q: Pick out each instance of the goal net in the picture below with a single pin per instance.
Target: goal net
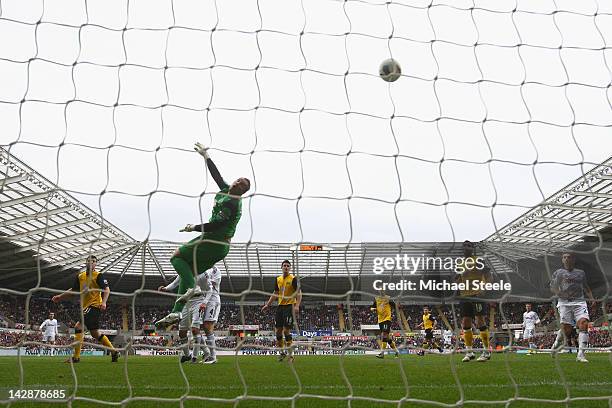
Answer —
(497, 132)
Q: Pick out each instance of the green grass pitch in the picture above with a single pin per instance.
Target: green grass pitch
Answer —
(249, 380)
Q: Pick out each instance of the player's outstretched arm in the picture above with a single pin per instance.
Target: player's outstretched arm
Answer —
(272, 298)
(214, 172)
(68, 293)
(74, 290)
(171, 286)
(227, 214)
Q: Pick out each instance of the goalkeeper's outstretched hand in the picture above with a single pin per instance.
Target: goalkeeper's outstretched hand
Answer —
(187, 228)
(201, 149)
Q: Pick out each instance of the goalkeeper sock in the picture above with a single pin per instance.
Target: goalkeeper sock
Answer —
(106, 342)
(187, 279)
(468, 338)
(280, 343)
(484, 336)
(210, 342)
(583, 342)
(392, 344)
(78, 336)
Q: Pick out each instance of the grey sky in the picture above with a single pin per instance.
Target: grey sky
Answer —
(307, 154)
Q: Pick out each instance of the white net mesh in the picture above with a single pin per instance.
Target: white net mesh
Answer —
(500, 106)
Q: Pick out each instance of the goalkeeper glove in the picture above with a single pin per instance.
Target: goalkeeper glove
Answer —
(187, 228)
(203, 151)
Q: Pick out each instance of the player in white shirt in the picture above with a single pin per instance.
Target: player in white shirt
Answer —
(49, 331)
(559, 343)
(448, 338)
(202, 309)
(530, 319)
(570, 286)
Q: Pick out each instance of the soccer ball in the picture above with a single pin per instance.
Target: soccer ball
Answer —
(390, 70)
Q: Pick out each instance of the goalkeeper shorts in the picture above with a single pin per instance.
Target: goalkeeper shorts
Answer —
(202, 256)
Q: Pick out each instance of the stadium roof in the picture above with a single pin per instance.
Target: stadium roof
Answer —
(579, 212)
(264, 259)
(41, 223)
(330, 270)
(577, 217)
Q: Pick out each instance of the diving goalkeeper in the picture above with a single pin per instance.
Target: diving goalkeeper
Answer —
(212, 245)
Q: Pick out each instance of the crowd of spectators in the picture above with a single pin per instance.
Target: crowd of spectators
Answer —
(232, 315)
(12, 338)
(597, 338)
(267, 343)
(151, 341)
(600, 338)
(311, 317)
(66, 313)
(362, 315)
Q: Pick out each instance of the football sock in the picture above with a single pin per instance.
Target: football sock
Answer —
(210, 342)
(468, 337)
(197, 344)
(78, 336)
(583, 342)
(559, 340)
(106, 342)
(484, 336)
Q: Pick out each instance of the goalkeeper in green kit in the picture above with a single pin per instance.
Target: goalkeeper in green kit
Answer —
(204, 251)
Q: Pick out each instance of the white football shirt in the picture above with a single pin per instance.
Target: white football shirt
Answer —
(209, 282)
(530, 319)
(50, 327)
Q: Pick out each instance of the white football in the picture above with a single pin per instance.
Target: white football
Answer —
(390, 70)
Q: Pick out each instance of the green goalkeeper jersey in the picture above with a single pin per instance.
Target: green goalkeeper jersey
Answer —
(226, 213)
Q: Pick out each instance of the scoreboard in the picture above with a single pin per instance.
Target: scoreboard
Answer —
(310, 248)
